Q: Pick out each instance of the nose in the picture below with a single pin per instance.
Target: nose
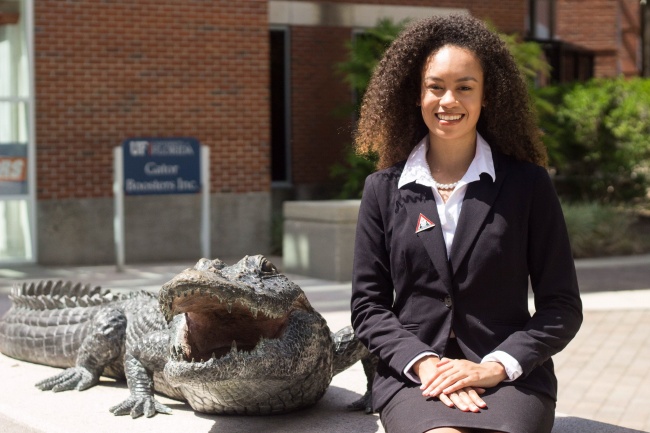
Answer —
(448, 98)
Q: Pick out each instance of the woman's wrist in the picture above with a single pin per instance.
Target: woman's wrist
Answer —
(428, 358)
(496, 369)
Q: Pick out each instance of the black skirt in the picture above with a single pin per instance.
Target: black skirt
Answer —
(510, 409)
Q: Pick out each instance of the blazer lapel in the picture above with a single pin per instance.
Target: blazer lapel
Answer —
(477, 203)
(419, 200)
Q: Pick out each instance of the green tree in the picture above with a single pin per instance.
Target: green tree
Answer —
(364, 52)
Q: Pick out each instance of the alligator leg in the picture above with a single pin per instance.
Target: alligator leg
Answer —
(101, 347)
(139, 365)
(369, 368)
(347, 351)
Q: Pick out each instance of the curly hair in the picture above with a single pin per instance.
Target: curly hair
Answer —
(391, 124)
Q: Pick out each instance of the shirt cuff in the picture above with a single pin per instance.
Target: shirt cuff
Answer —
(512, 366)
(408, 370)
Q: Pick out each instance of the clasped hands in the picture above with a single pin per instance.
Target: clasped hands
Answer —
(458, 382)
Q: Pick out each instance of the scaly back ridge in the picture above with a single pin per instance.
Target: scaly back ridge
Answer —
(50, 295)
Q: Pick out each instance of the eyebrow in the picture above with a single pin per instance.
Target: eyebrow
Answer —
(468, 78)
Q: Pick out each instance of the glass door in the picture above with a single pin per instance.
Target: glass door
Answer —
(17, 196)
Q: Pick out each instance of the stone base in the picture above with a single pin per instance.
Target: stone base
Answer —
(318, 238)
(158, 228)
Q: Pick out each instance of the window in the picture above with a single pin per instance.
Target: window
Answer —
(541, 19)
(280, 107)
(16, 148)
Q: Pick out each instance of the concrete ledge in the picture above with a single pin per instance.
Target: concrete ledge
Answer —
(318, 238)
(25, 409)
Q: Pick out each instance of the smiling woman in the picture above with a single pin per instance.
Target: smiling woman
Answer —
(451, 230)
(451, 98)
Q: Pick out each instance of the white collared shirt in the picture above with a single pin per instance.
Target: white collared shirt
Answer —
(417, 170)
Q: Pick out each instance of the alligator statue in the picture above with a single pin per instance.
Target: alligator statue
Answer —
(240, 339)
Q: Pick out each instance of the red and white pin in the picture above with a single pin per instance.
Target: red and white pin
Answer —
(424, 223)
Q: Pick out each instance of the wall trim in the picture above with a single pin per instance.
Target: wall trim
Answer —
(357, 15)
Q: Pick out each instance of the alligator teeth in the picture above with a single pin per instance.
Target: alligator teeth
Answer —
(254, 312)
(229, 307)
(233, 347)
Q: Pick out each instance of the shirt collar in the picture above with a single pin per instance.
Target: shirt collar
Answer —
(417, 169)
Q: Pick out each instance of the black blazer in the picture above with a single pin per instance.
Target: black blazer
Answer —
(407, 295)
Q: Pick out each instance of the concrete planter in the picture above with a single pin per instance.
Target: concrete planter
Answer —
(318, 238)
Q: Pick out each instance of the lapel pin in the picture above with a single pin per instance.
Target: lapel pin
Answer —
(424, 223)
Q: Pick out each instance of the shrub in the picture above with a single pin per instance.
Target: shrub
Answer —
(599, 138)
(597, 230)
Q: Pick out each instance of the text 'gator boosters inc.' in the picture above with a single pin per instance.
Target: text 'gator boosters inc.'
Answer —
(161, 166)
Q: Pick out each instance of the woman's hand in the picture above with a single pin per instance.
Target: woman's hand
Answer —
(453, 375)
(466, 399)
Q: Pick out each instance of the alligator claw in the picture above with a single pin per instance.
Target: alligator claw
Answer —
(138, 406)
(364, 403)
(71, 378)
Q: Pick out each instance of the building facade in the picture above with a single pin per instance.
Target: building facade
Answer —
(253, 80)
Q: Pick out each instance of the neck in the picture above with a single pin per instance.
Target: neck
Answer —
(448, 160)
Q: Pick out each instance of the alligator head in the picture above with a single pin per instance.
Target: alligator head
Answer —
(244, 339)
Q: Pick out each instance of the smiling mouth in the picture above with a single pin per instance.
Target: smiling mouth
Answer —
(449, 117)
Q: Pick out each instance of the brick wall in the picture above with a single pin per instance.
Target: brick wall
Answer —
(108, 70)
(319, 132)
(599, 26)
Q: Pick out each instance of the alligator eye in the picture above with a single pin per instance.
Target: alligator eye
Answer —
(268, 267)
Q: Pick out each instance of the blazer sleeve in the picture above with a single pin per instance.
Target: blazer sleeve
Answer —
(558, 308)
(373, 320)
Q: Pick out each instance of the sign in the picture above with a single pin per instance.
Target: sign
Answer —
(161, 166)
(13, 169)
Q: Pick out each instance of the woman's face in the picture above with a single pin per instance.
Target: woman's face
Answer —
(451, 94)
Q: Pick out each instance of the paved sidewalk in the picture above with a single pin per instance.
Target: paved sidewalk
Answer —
(604, 373)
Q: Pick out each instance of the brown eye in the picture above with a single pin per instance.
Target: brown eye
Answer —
(268, 267)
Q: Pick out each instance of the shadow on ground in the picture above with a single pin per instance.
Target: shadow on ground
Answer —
(571, 424)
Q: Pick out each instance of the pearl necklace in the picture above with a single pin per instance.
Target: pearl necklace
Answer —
(445, 186)
(442, 186)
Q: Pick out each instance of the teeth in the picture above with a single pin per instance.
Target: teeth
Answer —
(229, 307)
(254, 312)
(449, 116)
(233, 347)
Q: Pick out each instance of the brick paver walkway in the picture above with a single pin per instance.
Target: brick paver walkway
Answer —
(604, 373)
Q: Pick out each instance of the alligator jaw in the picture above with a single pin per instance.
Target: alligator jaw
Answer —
(223, 313)
(214, 330)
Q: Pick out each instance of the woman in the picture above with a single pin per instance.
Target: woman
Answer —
(459, 219)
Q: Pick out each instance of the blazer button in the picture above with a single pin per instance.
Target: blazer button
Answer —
(447, 301)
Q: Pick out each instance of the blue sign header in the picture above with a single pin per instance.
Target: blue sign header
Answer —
(161, 166)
